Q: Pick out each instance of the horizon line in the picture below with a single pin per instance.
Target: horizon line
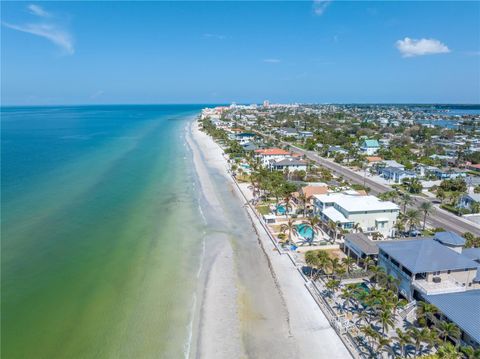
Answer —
(240, 103)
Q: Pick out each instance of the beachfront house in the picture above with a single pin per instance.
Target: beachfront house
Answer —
(267, 155)
(349, 208)
(249, 147)
(427, 267)
(437, 270)
(358, 246)
(289, 163)
(370, 147)
(244, 137)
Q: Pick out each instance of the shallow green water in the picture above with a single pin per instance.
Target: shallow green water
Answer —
(100, 232)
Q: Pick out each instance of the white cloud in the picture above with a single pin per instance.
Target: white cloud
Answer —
(319, 6)
(271, 61)
(48, 29)
(413, 47)
(38, 11)
(58, 36)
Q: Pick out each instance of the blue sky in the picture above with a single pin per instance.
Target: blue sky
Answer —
(219, 52)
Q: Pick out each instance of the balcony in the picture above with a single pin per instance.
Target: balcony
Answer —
(445, 286)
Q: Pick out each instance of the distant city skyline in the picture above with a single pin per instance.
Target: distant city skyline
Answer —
(62, 53)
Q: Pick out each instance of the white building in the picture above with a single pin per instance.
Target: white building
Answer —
(348, 208)
(268, 155)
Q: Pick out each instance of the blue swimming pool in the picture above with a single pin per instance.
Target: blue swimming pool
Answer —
(281, 210)
(305, 231)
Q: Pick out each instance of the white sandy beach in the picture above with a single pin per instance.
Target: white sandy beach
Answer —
(254, 302)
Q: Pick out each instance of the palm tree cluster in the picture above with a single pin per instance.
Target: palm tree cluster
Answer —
(322, 263)
(408, 219)
(471, 241)
(377, 309)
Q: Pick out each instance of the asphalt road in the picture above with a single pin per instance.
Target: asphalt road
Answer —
(439, 218)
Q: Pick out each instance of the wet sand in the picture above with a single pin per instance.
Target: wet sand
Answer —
(252, 301)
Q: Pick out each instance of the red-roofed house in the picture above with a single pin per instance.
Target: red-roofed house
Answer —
(271, 154)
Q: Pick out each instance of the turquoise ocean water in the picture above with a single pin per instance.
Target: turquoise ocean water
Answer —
(100, 232)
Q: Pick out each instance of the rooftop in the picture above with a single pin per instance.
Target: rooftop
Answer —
(461, 308)
(356, 202)
(362, 242)
(371, 143)
(311, 190)
(335, 215)
(449, 238)
(290, 162)
(373, 158)
(272, 152)
(426, 256)
(472, 253)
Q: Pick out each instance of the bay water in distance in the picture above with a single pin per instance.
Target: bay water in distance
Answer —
(100, 231)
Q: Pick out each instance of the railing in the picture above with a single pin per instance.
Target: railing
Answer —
(408, 309)
(445, 286)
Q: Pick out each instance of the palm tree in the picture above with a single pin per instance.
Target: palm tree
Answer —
(333, 285)
(441, 195)
(304, 199)
(448, 351)
(357, 228)
(312, 260)
(348, 262)
(406, 200)
(333, 228)
(312, 223)
(394, 196)
(470, 353)
(347, 295)
(376, 272)
(392, 283)
(448, 330)
(323, 260)
(400, 225)
(370, 333)
(384, 345)
(425, 311)
(427, 209)
(403, 339)
(430, 337)
(288, 203)
(418, 337)
(412, 218)
(334, 265)
(376, 236)
(289, 227)
(367, 263)
(363, 315)
(386, 320)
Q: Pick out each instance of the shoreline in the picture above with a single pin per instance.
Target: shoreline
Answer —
(291, 324)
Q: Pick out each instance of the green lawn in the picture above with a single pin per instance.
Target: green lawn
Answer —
(263, 209)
